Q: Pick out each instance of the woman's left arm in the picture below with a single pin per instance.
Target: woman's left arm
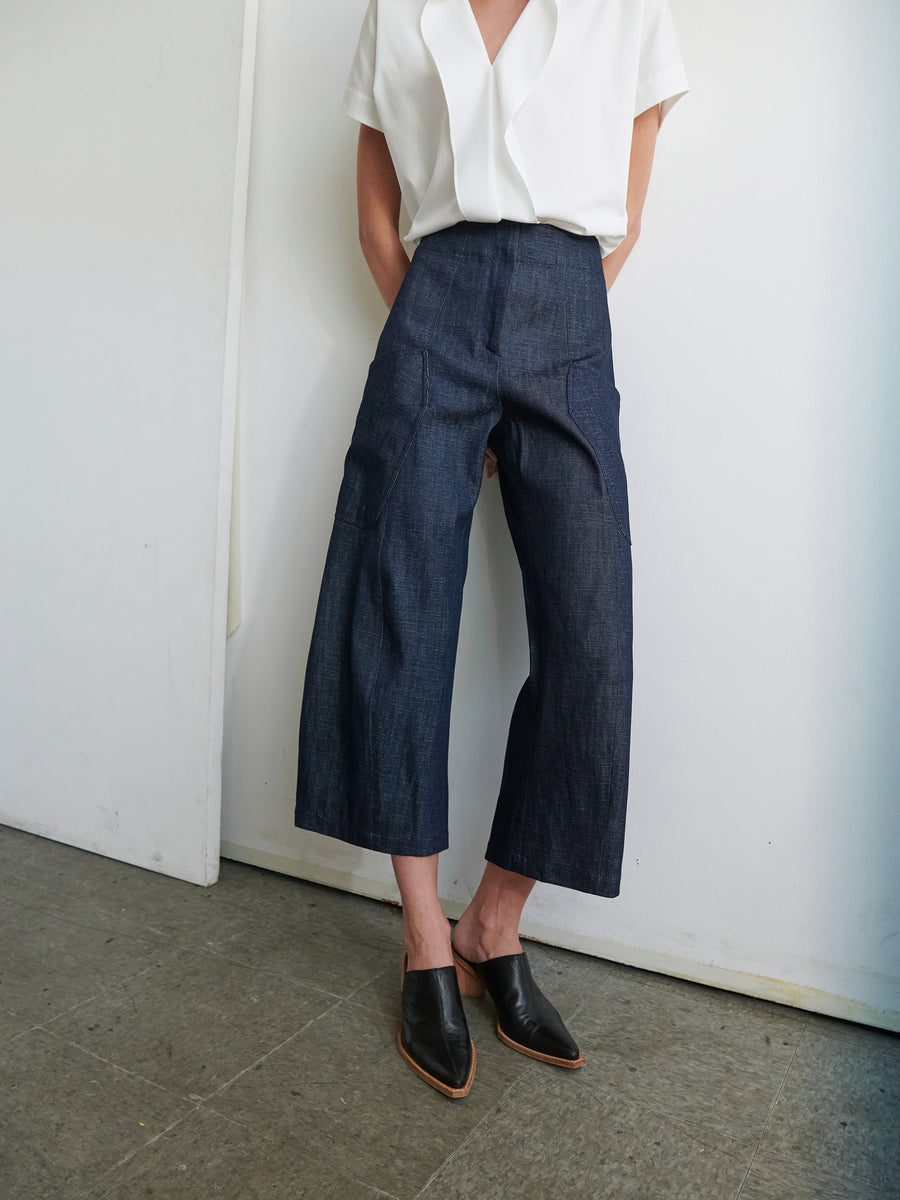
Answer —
(643, 144)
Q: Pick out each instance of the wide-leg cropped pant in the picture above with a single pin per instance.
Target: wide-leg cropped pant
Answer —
(500, 336)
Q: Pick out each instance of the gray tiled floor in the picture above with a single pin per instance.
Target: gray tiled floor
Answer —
(164, 1040)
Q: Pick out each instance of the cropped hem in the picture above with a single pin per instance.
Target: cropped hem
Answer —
(368, 841)
(607, 886)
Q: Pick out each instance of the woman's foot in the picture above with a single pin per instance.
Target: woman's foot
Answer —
(489, 955)
(434, 1038)
(477, 941)
(526, 1020)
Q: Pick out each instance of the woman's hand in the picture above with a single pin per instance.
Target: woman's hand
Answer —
(643, 145)
(490, 464)
(378, 205)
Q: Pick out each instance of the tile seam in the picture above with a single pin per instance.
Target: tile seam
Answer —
(236, 962)
(420, 1195)
(131, 1154)
(772, 1108)
(105, 990)
(324, 1160)
(59, 916)
(192, 1104)
(258, 1061)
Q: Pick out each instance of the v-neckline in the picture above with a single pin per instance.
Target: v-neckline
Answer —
(492, 61)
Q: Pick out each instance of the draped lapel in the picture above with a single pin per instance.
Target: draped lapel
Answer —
(524, 54)
(477, 94)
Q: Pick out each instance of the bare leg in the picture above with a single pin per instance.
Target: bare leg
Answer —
(426, 931)
(490, 925)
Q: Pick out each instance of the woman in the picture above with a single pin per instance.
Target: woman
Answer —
(520, 136)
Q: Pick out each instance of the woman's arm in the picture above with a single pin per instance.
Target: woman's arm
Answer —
(643, 144)
(378, 205)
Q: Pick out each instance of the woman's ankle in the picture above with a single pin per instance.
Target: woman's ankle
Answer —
(427, 944)
(426, 931)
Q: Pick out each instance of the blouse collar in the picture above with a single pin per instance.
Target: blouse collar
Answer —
(453, 39)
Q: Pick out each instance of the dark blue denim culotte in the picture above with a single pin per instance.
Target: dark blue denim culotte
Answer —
(499, 336)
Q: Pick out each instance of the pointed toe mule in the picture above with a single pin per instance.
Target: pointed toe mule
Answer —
(433, 1039)
(526, 1020)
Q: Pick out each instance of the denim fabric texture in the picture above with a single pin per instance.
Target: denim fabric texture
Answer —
(500, 336)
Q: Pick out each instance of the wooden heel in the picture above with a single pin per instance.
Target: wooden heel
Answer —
(470, 982)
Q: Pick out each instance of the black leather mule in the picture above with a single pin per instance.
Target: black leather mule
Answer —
(526, 1020)
(434, 1037)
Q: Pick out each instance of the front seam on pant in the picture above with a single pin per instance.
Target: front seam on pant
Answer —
(374, 684)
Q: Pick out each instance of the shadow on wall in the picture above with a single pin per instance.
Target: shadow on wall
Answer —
(860, 444)
(856, 435)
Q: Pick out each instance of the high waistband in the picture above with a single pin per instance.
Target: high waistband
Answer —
(534, 242)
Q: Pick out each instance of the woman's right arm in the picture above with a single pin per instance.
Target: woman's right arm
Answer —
(378, 205)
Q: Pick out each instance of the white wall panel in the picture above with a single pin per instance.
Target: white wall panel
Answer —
(118, 180)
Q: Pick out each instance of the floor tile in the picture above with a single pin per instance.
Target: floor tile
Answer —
(882, 1040)
(316, 938)
(692, 1053)
(342, 1086)
(560, 1139)
(840, 1109)
(775, 1179)
(55, 955)
(125, 993)
(67, 1117)
(22, 849)
(168, 908)
(192, 1023)
(381, 995)
(68, 870)
(250, 886)
(12, 1024)
(207, 1156)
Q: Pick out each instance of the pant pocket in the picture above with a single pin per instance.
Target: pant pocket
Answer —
(394, 400)
(593, 402)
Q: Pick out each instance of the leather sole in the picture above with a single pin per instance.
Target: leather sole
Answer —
(570, 1063)
(453, 1093)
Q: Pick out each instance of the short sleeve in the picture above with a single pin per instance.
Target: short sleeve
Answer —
(359, 99)
(662, 78)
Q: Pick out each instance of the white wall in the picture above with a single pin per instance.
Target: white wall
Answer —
(118, 179)
(756, 354)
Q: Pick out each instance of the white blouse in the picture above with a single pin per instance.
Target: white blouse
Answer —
(543, 134)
